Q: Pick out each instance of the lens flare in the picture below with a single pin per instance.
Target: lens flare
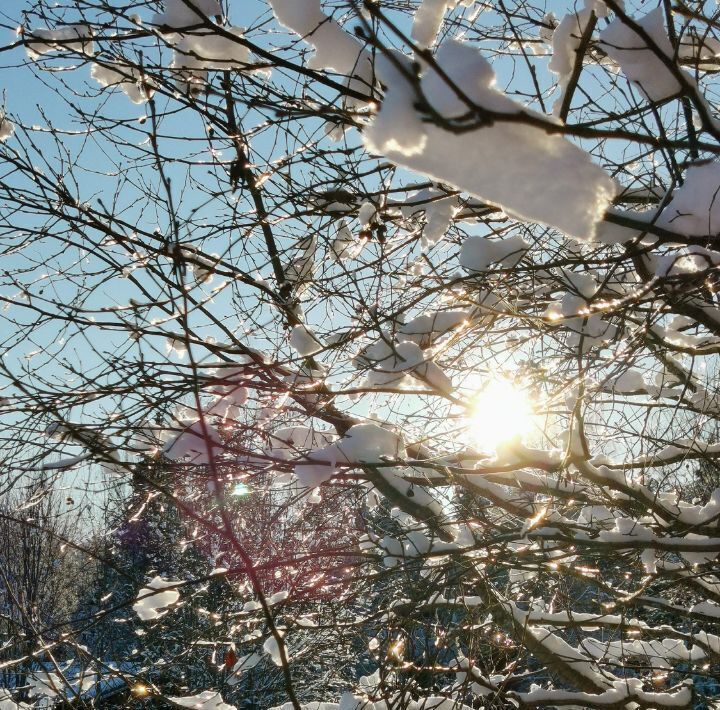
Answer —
(500, 413)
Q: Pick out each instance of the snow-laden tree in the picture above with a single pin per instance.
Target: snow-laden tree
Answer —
(438, 278)
(41, 572)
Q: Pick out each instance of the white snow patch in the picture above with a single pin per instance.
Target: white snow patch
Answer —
(7, 703)
(334, 48)
(629, 381)
(480, 253)
(211, 51)
(304, 341)
(530, 173)
(392, 362)
(312, 475)
(272, 648)
(72, 38)
(182, 13)
(135, 85)
(707, 608)
(624, 693)
(366, 213)
(197, 444)
(700, 49)
(439, 211)
(702, 557)
(243, 664)
(638, 62)
(345, 245)
(196, 54)
(292, 441)
(695, 206)
(153, 600)
(7, 128)
(207, 700)
(582, 282)
(278, 597)
(231, 395)
(299, 270)
(566, 39)
(586, 330)
(363, 443)
(427, 21)
(428, 327)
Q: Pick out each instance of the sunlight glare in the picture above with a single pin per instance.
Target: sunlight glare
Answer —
(240, 489)
(499, 413)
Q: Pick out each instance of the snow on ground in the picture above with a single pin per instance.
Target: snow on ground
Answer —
(207, 700)
(7, 703)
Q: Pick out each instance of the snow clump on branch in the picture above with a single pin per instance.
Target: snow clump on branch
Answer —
(7, 128)
(72, 38)
(154, 599)
(501, 158)
(187, 13)
(640, 63)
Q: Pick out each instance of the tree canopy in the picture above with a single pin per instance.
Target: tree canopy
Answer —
(394, 327)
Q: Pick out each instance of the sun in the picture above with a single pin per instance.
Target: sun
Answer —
(499, 413)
